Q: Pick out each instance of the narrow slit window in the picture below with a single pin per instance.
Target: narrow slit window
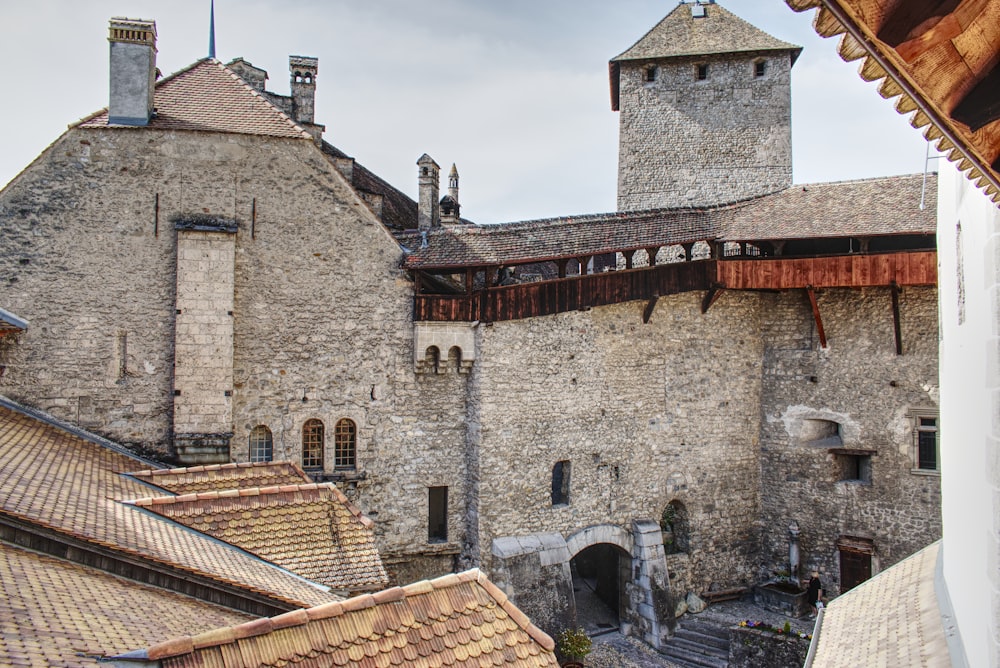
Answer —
(437, 514)
(560, 483)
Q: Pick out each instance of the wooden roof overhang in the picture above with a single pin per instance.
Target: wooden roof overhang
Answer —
(940, 58)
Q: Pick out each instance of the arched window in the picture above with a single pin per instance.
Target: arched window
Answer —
(313, 439)
(261, 444)
(674, 524)
(345, 441)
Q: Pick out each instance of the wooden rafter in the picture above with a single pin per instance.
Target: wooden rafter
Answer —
(713, 293)
(647, 312)
(819, 321)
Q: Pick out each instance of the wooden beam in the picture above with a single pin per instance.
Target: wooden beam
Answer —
(895, 319)
(651, 252)
(647, 312)
(913, 18)
(713, 293)
(981, 105)
(819, 321)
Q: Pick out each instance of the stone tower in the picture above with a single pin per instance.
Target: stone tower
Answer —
(303, 72)
(705, 104)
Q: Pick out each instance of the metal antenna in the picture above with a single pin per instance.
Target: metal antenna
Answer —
(211, 32)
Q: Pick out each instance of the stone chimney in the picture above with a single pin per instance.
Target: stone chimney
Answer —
(449, 203)
(303, 71)
(133, 71)
(428, 178)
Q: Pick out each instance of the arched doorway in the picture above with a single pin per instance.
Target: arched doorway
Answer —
(600, 573)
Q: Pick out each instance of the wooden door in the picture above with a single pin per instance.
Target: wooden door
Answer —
(855, 568)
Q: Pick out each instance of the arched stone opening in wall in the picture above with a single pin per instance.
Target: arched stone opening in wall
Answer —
(600, 574)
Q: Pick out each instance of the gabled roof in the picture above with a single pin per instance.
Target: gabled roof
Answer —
(868, 207)
(942, 62)
(209, 97)
(59, 482)
(455, 620)
(56, 613)
(10, 323)
(224, 476)
(681, 35)
(310, 529)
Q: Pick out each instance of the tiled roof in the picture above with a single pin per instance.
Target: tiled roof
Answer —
(210, 97)
(55, 613)
(719, 31)
(399, 212)
(311, 529)
(224, 476)
(53, 479)
(869, 207)
(456, 620)
(891, 620)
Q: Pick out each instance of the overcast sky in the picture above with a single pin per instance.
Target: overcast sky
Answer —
(514, 92)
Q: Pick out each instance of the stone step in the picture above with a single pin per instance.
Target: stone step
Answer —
(706, 639)
(688, 659)
(705, 627)
(698, 648)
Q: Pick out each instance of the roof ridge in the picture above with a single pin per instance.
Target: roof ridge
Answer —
(213, 467)
(233, 493)
(227, 635)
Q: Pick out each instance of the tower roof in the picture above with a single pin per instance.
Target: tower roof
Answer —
(683, 35)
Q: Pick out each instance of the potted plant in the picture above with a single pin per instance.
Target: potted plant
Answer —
(574, 645)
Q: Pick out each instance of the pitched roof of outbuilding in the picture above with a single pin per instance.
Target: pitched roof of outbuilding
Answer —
(718, 31)
(457, 620)
(61, 482)
(867, 207)
(224, 476)
(210, 97)
(312, 530)
(56, 613)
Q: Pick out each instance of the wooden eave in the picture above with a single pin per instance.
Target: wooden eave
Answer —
(940, 58)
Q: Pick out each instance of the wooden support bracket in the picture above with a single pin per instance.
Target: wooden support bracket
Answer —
(895, 318)
(819, 321)
(713, 293)
(647, 312)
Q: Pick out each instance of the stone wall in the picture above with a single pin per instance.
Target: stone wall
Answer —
(645, 414)
(860, 384)
(690, 142)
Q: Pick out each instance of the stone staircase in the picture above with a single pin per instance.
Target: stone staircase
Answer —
(699, 643)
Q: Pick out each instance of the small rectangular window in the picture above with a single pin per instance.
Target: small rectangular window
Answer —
(855, 468)
(649, 75)
(702, 72)
(759, 68)
(927, 443)
(437, 514)
(560, 483)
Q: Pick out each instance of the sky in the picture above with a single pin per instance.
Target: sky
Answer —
(515, 92)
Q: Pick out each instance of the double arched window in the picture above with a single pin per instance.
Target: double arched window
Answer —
(261, 444)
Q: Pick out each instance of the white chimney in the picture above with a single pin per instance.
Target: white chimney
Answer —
(133, 71)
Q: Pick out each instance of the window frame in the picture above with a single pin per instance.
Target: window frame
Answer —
(310, 441)
(917, 416)
(345, 445)
(254, 444)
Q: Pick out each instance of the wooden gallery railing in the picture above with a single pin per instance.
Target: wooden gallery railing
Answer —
(526, 300)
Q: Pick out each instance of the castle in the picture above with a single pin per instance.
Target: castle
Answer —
(665, 397)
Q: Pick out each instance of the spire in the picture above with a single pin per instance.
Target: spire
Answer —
(211, 31)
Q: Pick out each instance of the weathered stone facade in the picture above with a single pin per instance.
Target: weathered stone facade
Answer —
(281, 301)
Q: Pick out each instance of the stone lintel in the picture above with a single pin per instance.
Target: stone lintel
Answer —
(205, 223)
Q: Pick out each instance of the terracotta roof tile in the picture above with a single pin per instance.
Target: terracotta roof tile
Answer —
(56, 613)
(224, 476)
(54, 479)
(208, 96)
(310, 529)
(441, 622)
(868, 207)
